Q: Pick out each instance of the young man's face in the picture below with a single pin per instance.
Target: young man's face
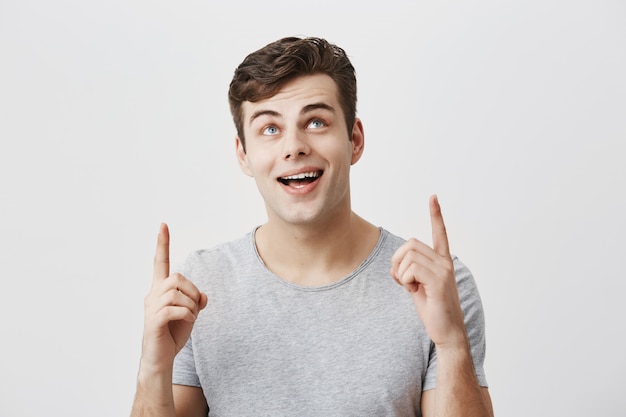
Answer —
(299, 151)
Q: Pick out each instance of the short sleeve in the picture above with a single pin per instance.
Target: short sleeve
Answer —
(472, 307)
(185, 367)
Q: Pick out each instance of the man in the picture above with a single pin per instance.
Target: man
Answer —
(304, 315)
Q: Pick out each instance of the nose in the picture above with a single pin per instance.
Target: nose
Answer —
(295, 145)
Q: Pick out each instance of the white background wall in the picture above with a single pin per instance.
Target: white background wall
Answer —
(113, 118)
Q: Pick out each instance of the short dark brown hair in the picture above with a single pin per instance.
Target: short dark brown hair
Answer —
(264, 72)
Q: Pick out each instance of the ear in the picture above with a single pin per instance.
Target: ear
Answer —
(358, 141)
(242, 157)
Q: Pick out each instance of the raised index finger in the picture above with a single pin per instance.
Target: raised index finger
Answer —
(440, 237)
(162, 255)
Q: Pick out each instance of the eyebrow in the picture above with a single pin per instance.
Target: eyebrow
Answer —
(306, 109)
(260, 113)
(315, 106)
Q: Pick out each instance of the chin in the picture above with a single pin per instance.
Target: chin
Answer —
(299, 217)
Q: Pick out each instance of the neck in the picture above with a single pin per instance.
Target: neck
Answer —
(314, 254)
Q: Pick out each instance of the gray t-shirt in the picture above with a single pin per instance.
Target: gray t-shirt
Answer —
(267, 347)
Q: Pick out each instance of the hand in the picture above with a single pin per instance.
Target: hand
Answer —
(428, 274)
(171, 308)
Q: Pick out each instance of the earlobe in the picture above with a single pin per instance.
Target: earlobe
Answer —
(242, 157)
(358, 140)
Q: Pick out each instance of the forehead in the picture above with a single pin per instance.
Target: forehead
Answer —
(295, 95)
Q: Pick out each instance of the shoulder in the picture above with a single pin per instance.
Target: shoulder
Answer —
(222, 257)
(389, 242)
(465, 280)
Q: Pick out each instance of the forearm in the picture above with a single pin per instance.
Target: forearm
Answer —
(154, 396)
(458, 392)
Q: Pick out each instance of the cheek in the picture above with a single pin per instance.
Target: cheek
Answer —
(346, 154)
(258, 164)
(339, 148)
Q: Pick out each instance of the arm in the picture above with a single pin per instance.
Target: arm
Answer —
(177, 400)
(156, 396)
(171, 308)
(428, 274)
(429, 399)
(190, 401)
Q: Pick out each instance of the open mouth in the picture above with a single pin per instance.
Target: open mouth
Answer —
(299, 180)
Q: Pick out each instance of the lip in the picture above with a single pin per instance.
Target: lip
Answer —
(300, 171)
(304, 188)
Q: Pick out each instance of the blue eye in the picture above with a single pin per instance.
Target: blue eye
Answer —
(316, 124)
(270, 130)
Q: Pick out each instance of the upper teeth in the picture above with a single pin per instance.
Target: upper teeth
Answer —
(302, 176)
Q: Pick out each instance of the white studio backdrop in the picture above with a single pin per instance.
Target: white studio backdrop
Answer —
(114, 117)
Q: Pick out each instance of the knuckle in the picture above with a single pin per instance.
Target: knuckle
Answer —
(176, 277)
(407, 278)
(171, 313)
(169, 298)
